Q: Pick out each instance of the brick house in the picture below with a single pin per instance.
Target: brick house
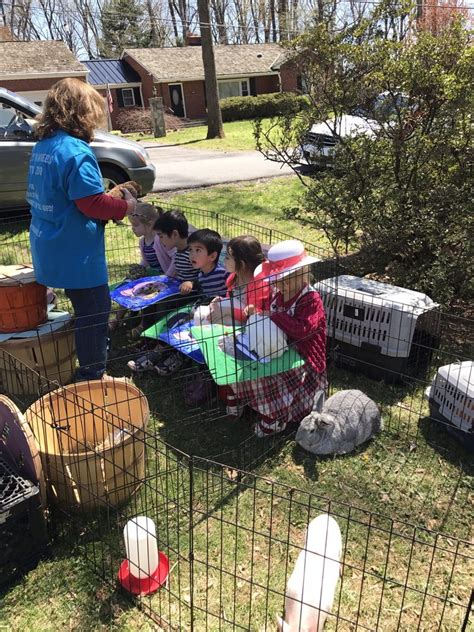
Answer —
(31, 68)
(177, 74)
(123, 82)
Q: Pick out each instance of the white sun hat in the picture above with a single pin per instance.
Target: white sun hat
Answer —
(283, 258)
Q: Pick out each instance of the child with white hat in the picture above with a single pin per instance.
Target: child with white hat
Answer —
(297, 309)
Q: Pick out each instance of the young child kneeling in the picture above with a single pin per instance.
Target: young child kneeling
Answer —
(296, 308)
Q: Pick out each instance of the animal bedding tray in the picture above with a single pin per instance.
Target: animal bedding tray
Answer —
(143, 292)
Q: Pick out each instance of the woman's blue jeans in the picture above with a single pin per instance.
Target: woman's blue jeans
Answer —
(91, 311)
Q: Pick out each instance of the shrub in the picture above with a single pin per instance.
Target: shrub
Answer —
(139, 120)
(133, 120)
(262, 106)
(401, 196)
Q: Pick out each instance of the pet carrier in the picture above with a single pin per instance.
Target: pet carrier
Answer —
(379, 326)
(91, 441)
(22, 300)
(49, 351)
(22, 526)
(451, 399)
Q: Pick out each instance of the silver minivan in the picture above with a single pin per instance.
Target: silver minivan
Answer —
(119, 159)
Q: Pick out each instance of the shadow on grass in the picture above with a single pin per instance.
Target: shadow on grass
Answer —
(436, 435)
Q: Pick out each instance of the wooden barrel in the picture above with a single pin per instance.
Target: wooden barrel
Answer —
(23, 304)
(92, 442)
(51, 354)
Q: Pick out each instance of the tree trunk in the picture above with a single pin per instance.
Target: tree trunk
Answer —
(214, 116)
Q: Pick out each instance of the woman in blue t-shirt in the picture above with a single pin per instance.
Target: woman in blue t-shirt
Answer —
(68, 209)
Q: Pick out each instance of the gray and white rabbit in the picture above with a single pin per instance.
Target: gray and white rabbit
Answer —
(347, 419)
(309, 594)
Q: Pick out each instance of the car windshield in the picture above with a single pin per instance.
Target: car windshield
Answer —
(384, 107)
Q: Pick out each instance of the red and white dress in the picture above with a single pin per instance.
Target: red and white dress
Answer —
(288, 397)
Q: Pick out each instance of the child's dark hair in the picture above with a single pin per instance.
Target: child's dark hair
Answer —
(210, 239)
(247, 252)
(170, 221)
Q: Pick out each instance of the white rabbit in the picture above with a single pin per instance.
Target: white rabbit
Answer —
(310, 591)
(265, 338)
(201, 316)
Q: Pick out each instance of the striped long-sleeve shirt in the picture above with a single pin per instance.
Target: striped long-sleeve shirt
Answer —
(184, 268)
(213, 283)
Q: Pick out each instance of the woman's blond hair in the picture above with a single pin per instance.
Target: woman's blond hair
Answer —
(74, 107)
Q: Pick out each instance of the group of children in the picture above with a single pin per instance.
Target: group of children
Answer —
(276, 286)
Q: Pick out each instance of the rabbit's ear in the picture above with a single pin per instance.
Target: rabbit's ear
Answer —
(281, 625)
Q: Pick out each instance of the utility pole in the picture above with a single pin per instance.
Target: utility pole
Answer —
(214, 116)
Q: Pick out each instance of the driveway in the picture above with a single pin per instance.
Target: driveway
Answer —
(178, 167)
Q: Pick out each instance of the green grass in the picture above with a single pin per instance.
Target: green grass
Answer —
(238, 137)
(240, 526)
(261, 202)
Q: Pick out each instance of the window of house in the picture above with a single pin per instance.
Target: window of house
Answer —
(128, 98)
(233, 88)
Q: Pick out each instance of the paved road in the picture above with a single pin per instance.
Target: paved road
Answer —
(178, 167)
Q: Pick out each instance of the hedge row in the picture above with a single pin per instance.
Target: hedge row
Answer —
(262, 106)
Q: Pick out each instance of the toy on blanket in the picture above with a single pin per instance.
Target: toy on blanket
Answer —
(310, 591)
(202, 316)
(348, 419)
(133, 187)
(265, 338)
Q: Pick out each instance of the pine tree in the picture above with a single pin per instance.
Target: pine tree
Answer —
(123, 26)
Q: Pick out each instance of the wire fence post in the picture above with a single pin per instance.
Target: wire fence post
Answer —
(191, 540)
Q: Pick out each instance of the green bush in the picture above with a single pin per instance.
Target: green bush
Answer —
(262, 106)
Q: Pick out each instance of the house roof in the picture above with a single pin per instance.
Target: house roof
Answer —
(185, 63)
(110, 71)
(46, 58)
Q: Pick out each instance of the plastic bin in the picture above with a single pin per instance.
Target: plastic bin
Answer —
(23, 538)
(451, 399)
(383, 330)
(23, 303)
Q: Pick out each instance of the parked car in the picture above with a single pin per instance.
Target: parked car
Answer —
(119, 159)
(320, 141)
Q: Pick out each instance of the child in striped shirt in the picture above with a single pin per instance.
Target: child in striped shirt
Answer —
(172, 229)
(205, 247)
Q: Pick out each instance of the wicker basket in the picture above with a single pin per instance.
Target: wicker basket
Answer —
(52, 355)
(92, 442)
(23, 304)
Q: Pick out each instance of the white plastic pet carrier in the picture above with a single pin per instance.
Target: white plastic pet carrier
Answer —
(452, 394)
(373, 315)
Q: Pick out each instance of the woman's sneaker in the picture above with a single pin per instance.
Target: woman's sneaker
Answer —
(171, 364)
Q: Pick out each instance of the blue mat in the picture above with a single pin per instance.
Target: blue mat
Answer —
(136, 295)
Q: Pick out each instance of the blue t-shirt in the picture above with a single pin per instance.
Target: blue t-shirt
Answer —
(67, 247)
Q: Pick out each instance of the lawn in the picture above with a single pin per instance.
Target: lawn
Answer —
(238, 137)
(260, 202)
(231, 539)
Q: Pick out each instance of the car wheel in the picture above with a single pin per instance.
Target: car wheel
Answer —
(112, 176)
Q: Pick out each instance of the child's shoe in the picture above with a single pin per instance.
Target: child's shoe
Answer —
(145, 362)
(171, 364)
(266, 428)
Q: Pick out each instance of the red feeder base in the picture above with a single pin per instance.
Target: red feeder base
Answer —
(146, 585)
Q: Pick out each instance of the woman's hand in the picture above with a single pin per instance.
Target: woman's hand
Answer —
(130, 200)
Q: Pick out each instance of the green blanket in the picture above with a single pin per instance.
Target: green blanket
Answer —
(228, 370)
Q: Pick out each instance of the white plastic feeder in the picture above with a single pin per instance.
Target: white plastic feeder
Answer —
(146, 568)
